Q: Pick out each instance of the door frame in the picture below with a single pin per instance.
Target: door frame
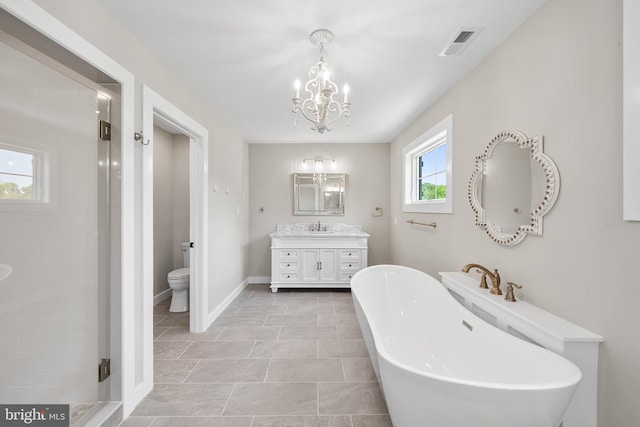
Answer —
(156, 109)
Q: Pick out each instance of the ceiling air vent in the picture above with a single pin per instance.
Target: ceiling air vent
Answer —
(460, 41)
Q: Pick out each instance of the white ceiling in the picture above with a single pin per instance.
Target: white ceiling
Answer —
(242, 56)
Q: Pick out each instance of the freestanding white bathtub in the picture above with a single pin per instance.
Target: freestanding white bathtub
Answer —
(439, 365)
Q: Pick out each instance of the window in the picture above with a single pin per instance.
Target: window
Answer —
(20, 174)
(427, 171)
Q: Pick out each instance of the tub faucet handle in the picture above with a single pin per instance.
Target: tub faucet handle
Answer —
(510, 295)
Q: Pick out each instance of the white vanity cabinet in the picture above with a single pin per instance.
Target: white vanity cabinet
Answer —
(303, 258)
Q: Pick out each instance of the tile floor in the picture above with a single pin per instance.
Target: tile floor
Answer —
(289, 359)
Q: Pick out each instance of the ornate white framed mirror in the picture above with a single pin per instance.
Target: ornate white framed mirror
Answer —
(513, 186)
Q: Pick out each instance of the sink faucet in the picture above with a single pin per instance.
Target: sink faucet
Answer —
(494, 277)
(313, 227)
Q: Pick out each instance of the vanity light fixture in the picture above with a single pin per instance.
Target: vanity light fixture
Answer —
(320, 108)
(319, 163)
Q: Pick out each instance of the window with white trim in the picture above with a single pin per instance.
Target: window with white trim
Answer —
(427, 171)
(21, 174)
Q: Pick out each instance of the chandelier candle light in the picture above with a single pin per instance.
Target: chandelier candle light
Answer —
(320, 108)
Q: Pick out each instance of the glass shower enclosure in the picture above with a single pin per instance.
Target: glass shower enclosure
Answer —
(57, 167)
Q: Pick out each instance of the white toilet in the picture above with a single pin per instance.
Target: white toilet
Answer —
(179, 282)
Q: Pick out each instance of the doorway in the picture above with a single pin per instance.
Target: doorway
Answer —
(160, 113)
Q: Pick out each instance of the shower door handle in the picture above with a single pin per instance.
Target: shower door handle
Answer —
(191, 245)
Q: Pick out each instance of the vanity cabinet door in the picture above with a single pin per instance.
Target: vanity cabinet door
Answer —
(319, 265)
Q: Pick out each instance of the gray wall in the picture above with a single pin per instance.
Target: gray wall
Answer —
(170, 204)
(559, 75)
(270, 172)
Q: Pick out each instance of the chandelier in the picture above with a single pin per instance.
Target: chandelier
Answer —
(319, 179)
(320, 108)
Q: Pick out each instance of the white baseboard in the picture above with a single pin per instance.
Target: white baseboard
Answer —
(259, 280)
(162, 296)
(226, 302)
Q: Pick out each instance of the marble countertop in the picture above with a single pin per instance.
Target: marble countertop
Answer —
(311, 230)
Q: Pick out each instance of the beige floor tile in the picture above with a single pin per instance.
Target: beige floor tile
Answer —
(350, 398)
(308, 333)
(172, 371)
(349, 332)
(183, 334)
(218, 350)
(258, 287)
(203, 422)
(292, 320)
(284, 350)
(371, 421)
(262, 300)
(157, 318)
(358, 369)
(337, 320)
(295, 358)
(273, 399)
(346, 348)
(294, 308)
(169, 350)
(245, 333)
(229, 370)
(305, 370)
(157, 331)
(302, 421)
(254, 310)
(185, 400)
(175, 321)
(241, 320)
(137, 422)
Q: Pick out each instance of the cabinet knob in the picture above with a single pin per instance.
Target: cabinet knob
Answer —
(288, 265)
(349, 265)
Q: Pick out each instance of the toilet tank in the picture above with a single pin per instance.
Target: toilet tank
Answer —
(185, 253)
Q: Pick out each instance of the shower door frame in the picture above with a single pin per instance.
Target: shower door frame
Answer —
(123, 296)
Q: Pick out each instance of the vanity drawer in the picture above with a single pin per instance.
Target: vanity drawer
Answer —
(288, 266)
(288, 277)
(289, 254)
(351, 266)
(347, 276)
(349, 254)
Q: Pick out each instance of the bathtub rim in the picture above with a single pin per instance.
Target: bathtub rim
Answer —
(382, 352)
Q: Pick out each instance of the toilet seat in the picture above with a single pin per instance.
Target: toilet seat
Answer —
(179, 274)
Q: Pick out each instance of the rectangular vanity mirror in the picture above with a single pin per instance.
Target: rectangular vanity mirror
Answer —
(318, 193)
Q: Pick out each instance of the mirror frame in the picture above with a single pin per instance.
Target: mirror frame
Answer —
(319, 212)
(552, 188)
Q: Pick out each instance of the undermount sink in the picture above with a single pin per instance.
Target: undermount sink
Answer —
(320, 232)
